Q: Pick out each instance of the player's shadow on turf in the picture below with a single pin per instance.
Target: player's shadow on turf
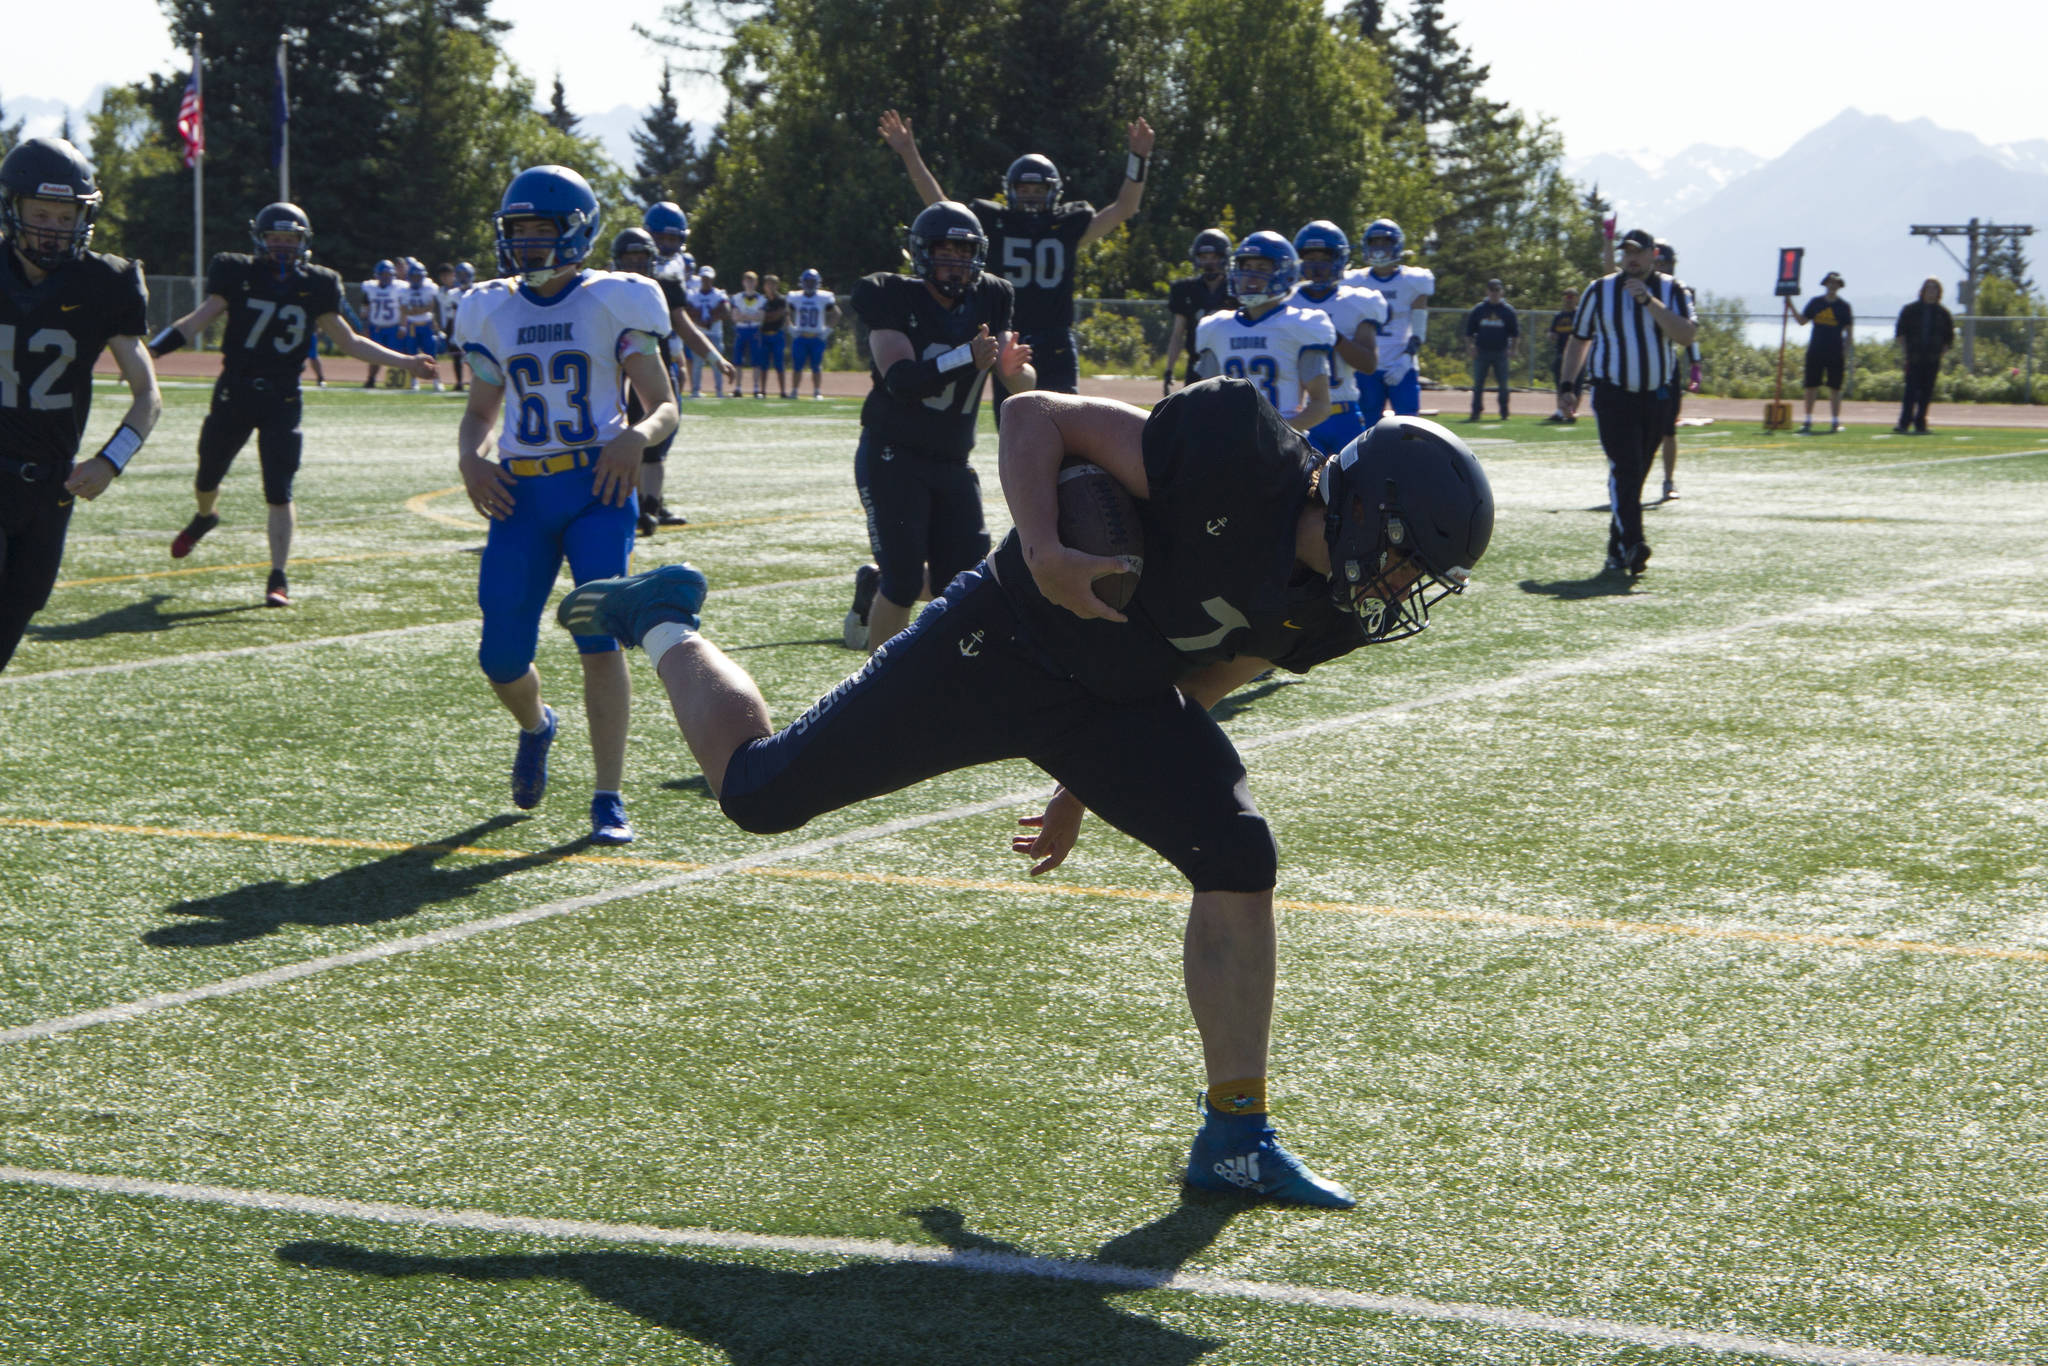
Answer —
(1236, 702)
(1607, 583)
(384, 889)
(834, 641)
(868, 1314)
(132, 619)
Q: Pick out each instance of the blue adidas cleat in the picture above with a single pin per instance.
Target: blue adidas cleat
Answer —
(530, 765)
(627, 608)
(608, 823)
(1243, 1154)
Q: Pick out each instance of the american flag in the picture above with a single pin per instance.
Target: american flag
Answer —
(192, 122)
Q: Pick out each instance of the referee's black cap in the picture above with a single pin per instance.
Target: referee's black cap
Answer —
(1638, 237)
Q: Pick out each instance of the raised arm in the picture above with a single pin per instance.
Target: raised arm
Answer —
(895, 130)
(1126, 202)
(189, 327)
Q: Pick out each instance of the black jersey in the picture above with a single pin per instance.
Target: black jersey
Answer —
(944, 423)
(1561, 329)
(1036, 253)
(1195, 299)
(271, 316)
(1492, 326)
(1228, 481)
(1830, 319)
(51, 334)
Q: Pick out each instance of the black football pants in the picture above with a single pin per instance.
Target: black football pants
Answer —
(1632, 425)
(33, 520)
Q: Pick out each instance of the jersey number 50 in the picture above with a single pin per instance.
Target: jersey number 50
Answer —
(1042, 263)
(570, 369)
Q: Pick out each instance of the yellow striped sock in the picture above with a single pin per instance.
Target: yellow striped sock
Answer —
(1247, 1097)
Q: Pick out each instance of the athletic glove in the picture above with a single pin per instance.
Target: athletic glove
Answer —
(1414, 345)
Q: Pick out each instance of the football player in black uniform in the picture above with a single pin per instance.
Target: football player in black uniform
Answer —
(1258, 552)
(933, 338)
(634, 251)
(1035, 242)
(275, 301)
(60, 306)
(1196, 297)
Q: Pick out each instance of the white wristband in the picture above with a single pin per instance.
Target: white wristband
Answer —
(960, 355)
(121, 447)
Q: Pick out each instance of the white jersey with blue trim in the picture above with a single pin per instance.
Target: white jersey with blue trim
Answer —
(748, 308)
(681, 266)
(382, 304)
(1266, 350)
(560, 359)
(1401, 290)
(807, 313)
(420, 304)
(704, 303)
(1349, 309)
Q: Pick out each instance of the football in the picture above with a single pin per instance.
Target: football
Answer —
(1099, 516)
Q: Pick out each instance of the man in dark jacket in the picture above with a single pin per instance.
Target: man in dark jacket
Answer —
(1925, 330)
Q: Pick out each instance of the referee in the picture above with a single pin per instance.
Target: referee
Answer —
(1630, 321)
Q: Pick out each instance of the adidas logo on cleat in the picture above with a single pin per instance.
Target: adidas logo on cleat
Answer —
(1240, 1171)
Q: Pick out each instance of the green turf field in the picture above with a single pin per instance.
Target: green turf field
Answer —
(1664, 967)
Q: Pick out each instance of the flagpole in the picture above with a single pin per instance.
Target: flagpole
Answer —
(199, 186)
(284, 128)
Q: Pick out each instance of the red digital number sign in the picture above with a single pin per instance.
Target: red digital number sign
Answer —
(1789, 259)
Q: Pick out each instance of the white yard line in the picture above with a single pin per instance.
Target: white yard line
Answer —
(289, 646)
(1600, 663)
(1112, 1278)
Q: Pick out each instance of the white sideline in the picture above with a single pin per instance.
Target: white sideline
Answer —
(285, 646)
(1108, 1275)
(1611, 659)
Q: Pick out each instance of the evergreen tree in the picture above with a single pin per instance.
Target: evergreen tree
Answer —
(67, 133)
(1435, 79)
(10, 133)
(558, 110)
(664, 149)
(1365, 19)
(2006, 258)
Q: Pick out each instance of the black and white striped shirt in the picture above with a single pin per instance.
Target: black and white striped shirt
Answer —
(1629, 350)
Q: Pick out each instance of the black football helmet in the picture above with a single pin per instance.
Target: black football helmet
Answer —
(1032, 170)
(52, 169)
(629, 242)
(1211, 240)
(282, 217)
(1666, 257)
(946, 221)
(1407, 490)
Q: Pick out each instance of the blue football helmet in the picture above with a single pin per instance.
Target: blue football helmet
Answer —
(809, 281)
(667, 219)
(1322, 235)
(1035, 170)
(945, 221)
(282, 217)
(1263, 268)
(415, 269)
(384, 271)
(1383, 241)
(565, 199)
(465, 273)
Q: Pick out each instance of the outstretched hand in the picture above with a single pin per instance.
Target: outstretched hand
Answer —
(1141, 136)
(1056, 832)
(984, 348)
(1014, 356)
(895, 130)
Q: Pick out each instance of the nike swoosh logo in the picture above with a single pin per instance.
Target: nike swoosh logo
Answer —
(66, 308)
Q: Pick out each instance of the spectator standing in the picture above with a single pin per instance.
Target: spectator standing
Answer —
(713, 312)
(774, 340)
(1629, 322)
(1491, 330)
(1830, 351)
(1667, 264)
(1925, 331)
(1568, 388)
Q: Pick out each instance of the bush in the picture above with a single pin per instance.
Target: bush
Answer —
(1114, 343)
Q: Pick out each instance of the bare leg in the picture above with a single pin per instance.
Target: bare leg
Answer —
(284, 519)
(886, 618)
(608, 701)
(1228, 958)
(1835, 405)
(1811, 395)
(207, 500)
(522, 698)
(1670, 460)
(715, 702)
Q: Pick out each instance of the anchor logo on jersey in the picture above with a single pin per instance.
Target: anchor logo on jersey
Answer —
(1216, 524)
(970, 644)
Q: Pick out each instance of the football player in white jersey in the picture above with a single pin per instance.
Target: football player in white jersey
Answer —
(566, 341)
(670, 228)
(384, 312)
(1406, 290)
(1357, 314)
(1283, 350)
(748, 304)
(813, 313)
(419, 303)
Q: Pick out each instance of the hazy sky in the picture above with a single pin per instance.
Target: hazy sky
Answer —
(1748, 73)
